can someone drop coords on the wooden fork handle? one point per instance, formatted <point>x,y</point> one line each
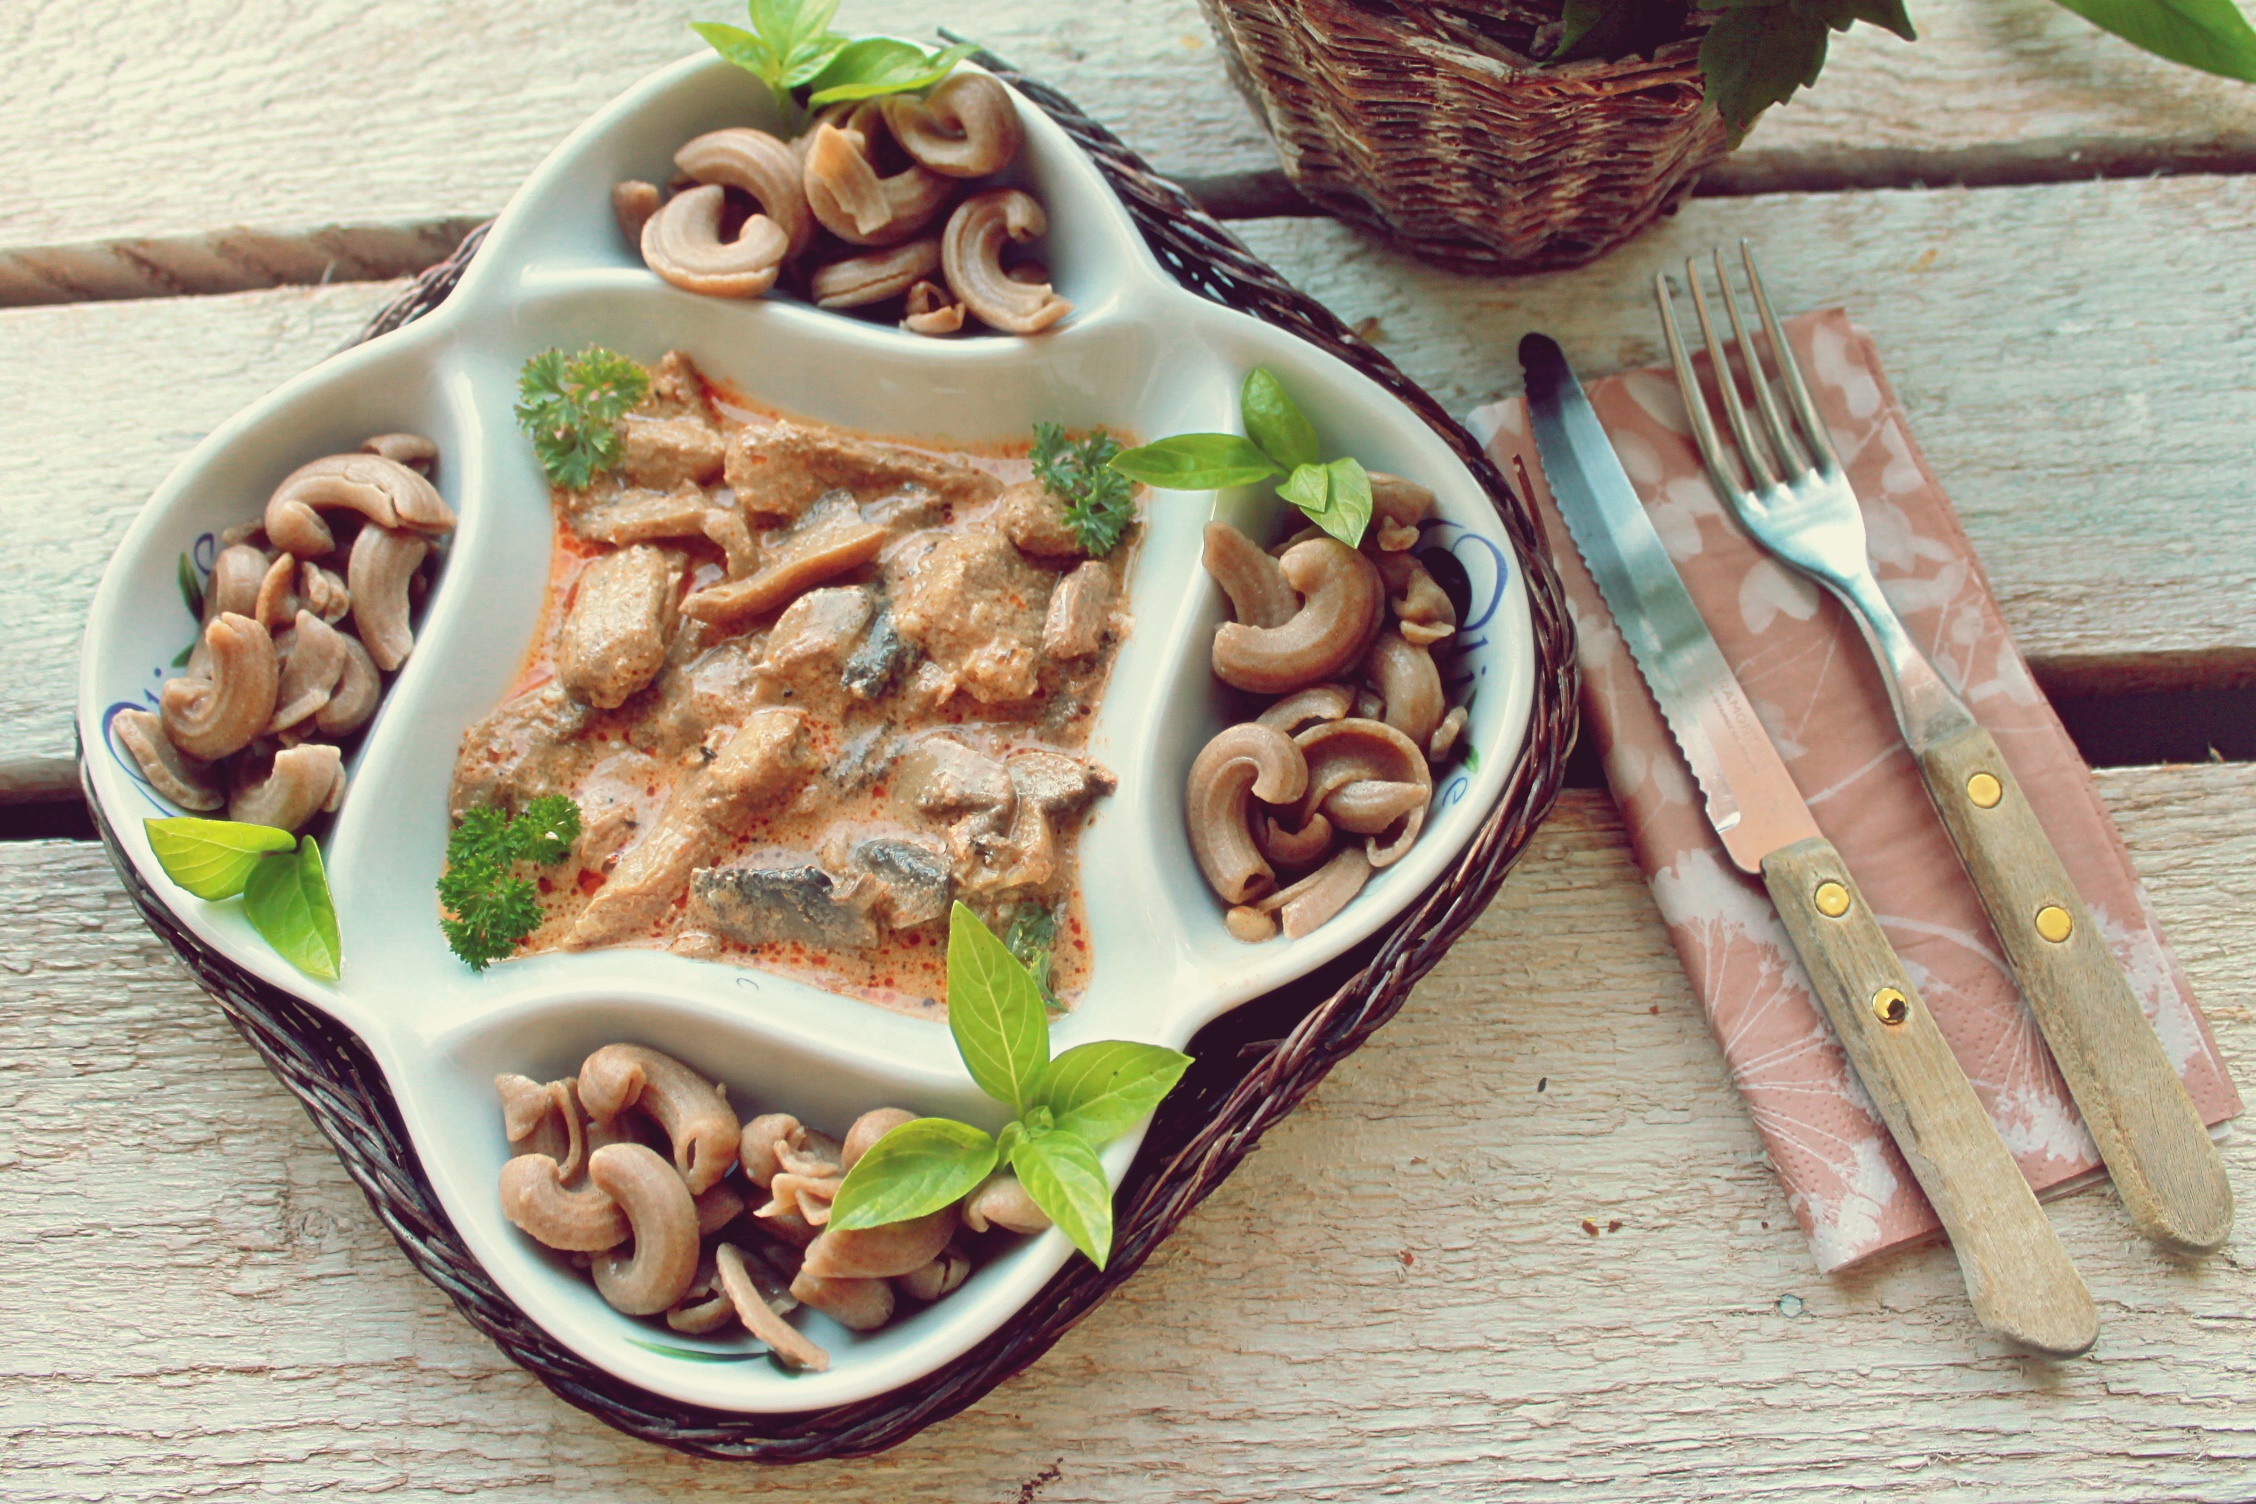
<point>2165,1166</point>
<point>2018,1277</point>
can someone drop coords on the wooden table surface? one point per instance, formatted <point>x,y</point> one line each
<point>1525,1244</point>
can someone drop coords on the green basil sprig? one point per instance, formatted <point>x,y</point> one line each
<point>284,888</point>
<point>791,48</point>
<point>1279,441</point>
<point>1064,1109</point>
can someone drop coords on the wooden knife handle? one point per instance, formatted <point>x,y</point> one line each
<point>2165,1166</point>
<point>2017,1274</point>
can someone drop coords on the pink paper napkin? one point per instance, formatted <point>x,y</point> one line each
<point>1815,686</point>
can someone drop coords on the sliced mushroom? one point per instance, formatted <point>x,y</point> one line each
<point>1240,764</point>
<point>277,599</point>
<point>188,782</point>
<point>323,592</point>
<point>931,309</point>
<point>1321,894</point>
<point>966,128</point>
<point>820,557</point>
<point>880,1252</point>
<point>1358,750</point>
<point>1259,596</point>
<point>682,243</point>
<point>354,699</point>
<point>696,1117</point>
<point>730,531</point>
<point>862,1304</point>
<point>386,492</point>
<point>632,204</point>
<point>235,579</point>
<point>939,1276</point>
<point>410,449</point>
<point>1409,684</point>
<point>1422,609</point>
<point>290,791</point>
<point>1308,707</point>
<point>1342,605</point>
<point>653,1276</point>
<point>857,205</point>
<point>760,1318</point>
<point>587,1220</point>
<point>867,1130</point>
<point>1002,1201</point>
<point>756,163</point>
<point>876,275</point>
<point>1080,606</point>
<point>311,670</point>
<point>1397,507</point>
<point>207,718</point>
<point>971,255</point>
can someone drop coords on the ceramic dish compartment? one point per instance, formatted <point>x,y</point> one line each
<point>1139,354</point>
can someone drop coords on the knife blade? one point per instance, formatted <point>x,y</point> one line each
<point>2018,1277</point>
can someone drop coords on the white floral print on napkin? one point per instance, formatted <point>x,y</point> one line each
<point>1813,683</point>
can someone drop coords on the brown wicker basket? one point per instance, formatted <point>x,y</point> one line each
<point>1249,1069</point>
<point>1425,123</point>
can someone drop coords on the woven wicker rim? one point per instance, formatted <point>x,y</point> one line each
<point>1251,1067</point>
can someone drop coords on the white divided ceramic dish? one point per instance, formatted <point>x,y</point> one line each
<point>1139,354</point>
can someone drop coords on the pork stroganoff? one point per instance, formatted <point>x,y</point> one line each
<point>807,688</point>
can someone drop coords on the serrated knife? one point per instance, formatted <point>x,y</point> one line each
<point>2018,1276</point>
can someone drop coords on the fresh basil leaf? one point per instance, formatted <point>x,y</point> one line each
<point>1196,462</point>
<point>2211,35</point>
<point>191,589</point>
<point>1757,56</point>
<point>888,68</point>
<point>1616,28</point>
<point>212,858</point>
<point>1062,1173</point>
<point>1889,15</point>
<point>1100,1091</point>
<point>995,1012</point>
<point>1350,510</point>
<point>811,61</point>
<point>1310,489</point>
<point>790,26</point>
<point>917,1168</point>
<point>287,901</point>
<point>1275,422</point>
<point>740,47</point>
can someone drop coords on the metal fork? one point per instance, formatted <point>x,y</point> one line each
<point>1797,502</point>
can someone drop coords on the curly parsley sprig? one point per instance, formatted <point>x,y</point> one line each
<point>1098,499</point>
<point>489,909</point>
<point>571,405</point>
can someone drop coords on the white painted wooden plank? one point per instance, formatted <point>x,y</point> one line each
<point>1398,1293</point>
<point>301,114</point>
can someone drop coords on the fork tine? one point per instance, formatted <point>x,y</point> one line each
<point>1813,427</point>
<point>1791,456</point>
<point>1720,473</point>
<point>1751,452</point>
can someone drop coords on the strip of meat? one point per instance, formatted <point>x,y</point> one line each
<point>524,748</point>
<point>779,470</point>
<point>768,759</point>
<point>614,640</point>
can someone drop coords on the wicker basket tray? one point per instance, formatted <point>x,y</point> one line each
<point>1251,1067</point>
<point>1417,122</point>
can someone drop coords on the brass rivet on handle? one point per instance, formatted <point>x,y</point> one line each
<point>2054,924</point>
<point>1985,790</point>
<point>1832,899</point>
<point>1891,1006</point>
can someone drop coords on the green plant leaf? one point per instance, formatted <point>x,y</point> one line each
<point>791,28</point>
<point>213,858</point>
<point>1196,462</point>
<point>1031,937</point>
<point>2211,35</point>
<point>1350,511</point>
<point>887,67</point>
<point>1061,1172</point>
<point>286,900</point>
<point>995,1012</point>
<point>1310,489</point>
<point>1756,56</point>
<point>1616,28</point>
<point>1275,422</point>
<point>741,47</point>
<point>915,1169</point>
<point>191,589</point>
<point>1890,15</point>
<point>701,1354</point>
<point>1099,1091</point>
